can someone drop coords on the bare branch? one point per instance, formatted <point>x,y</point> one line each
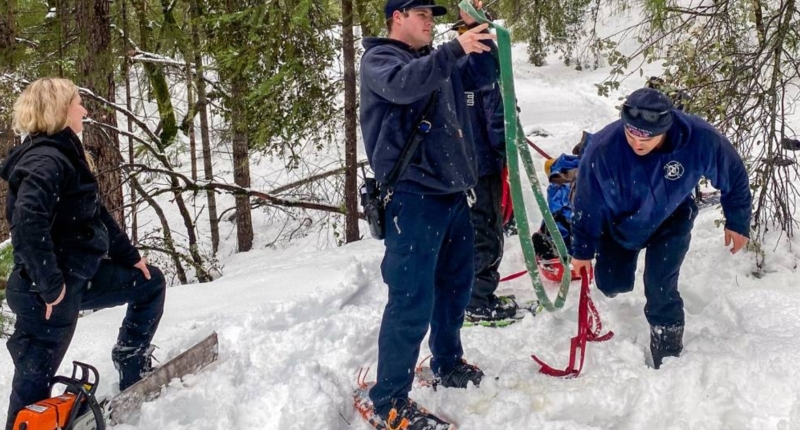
<point>314,178</point>
<point>190,185</point>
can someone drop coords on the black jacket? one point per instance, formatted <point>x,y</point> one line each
<point>59,228</point>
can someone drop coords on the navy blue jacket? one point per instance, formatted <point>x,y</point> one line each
<point>396,84</point>
<point>488,129</point>
<point>59,227</point>
<point>629,196</point>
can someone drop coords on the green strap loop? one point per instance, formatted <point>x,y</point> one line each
<point>517,147</point>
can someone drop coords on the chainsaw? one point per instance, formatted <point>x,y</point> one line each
<point>75,409</point>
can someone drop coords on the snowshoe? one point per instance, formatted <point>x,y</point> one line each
<point>503,312</point>
<point>499,308</point>
<point>405,415</point>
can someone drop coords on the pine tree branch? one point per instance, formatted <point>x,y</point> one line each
<point>31,43</point>
<point>139,56</point>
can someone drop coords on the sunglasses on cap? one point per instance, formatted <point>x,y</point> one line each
<point>419,3</point>
<point>650,116</point>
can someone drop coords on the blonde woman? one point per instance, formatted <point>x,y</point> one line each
<point>69,254</point>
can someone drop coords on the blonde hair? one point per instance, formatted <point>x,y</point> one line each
<point>42,106</point>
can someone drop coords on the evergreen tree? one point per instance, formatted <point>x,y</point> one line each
<point>350,123</point>
<point>735,64</point>
<point>9,52</point>
<point>96,67</point>
<point>548,26</point>
<point>283,51</point>
<point>273,60</point>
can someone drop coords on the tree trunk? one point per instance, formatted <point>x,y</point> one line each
<point>190,121</point>
<point>7,33</point>
<point>241,172</point>
<point>7,141</point>
<point>202,107</point>
<point>350,119</point>
<point>126,76</point>
<point>157,79</point>
<point>362,6</point>
<point>7,62</point>
<point>96,69</point>
<point>759,22</point>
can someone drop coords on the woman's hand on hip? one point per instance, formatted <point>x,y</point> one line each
<point>142,265</point>
<point>49,306</point>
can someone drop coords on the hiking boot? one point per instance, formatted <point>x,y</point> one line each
<point>507,304</point>
<point>461,375</point>
<point>132,363</point>
<point>499,308</point>
<point>407,415</point>
<point>665,341</point>
<point>510,228</point>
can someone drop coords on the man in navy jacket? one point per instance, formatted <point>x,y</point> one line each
<point>634,192</point>
<point>485,108</point>
<point>428,264</point>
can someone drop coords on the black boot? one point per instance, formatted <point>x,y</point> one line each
<point>665,341</point>
<point>132,364</point>
<point>461,375</point>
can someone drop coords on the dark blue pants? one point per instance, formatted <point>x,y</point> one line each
<point>615,266</point>
<point>428,267</point>
<point>38,346</point>
<point>487,221</point>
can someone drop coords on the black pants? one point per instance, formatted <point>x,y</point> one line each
<point>38,346</point>
<point>428,268</point>
<point>487,220</point>
<point>616,266</point>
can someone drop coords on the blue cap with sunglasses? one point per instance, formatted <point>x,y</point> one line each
<point>647,112</point>
<point>402,5</point>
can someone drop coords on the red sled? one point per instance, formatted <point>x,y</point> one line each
<point>553,270</point>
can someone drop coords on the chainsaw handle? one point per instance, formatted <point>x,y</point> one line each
<point>87,370</point>
<point>78,386</point>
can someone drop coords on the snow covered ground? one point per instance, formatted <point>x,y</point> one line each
<point>296,324</point>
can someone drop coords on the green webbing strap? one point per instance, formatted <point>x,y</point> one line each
<point>516,147</point>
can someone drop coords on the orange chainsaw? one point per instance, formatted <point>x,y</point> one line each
<point>75,409</point>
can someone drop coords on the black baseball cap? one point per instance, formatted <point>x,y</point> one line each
<point>647,112</point>
<point>401,5</point>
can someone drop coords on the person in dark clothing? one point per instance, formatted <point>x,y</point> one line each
<point>69,254</point>
<point>485,108</point>
<point>634,191</point>
<point>428,264</point>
